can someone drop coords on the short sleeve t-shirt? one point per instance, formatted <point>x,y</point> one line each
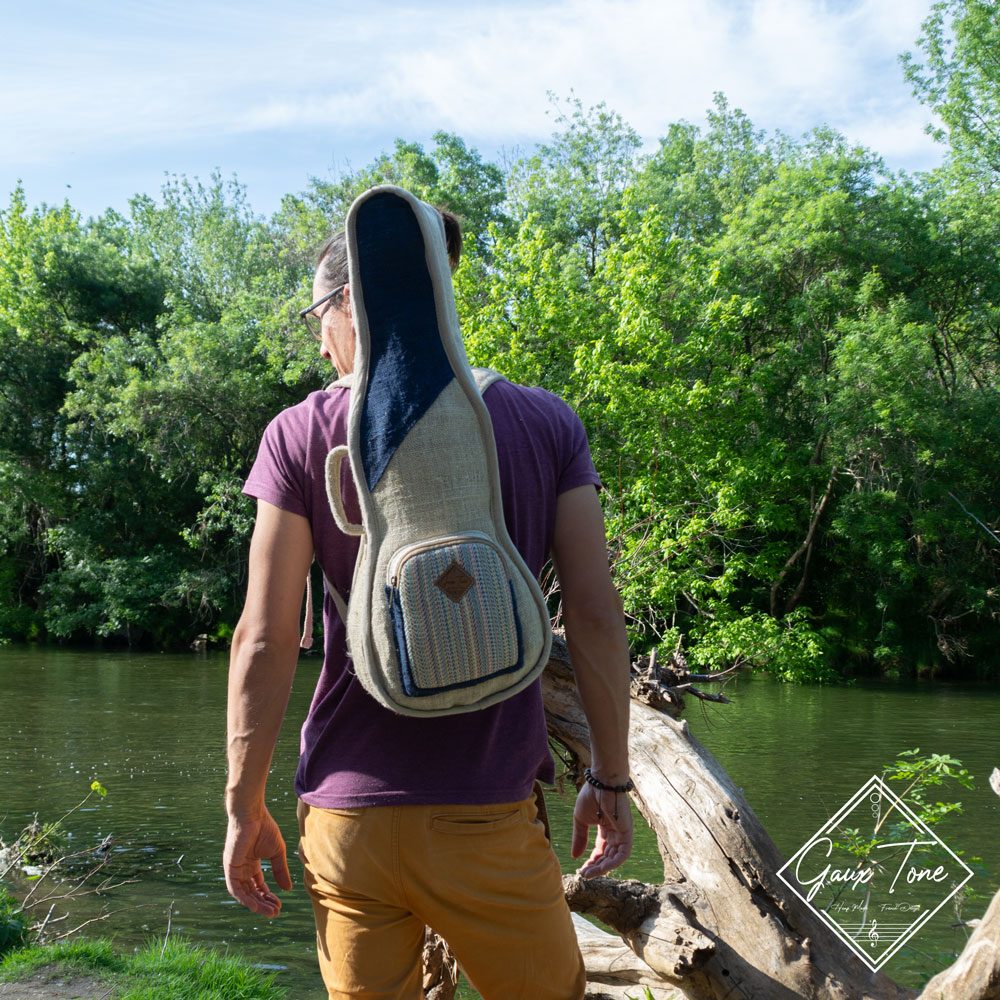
<point>353,751</point>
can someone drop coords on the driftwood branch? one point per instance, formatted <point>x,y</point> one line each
<point>663,685</point>
<point>975,974</point>
<point>620,903</point>
<point>440,968</point>
<point>614,971</point>
<point>804,549</point>
<point>721,924</point>
<point>103,915</point>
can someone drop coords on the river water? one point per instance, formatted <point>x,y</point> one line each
<point>151,728</point>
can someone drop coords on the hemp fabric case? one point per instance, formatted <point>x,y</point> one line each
<point>444,616</point>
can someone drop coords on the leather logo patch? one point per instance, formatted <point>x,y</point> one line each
<point>454,582</point>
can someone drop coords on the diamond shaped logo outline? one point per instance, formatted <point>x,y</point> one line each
<point>455,582</point>
<point>872,784</point>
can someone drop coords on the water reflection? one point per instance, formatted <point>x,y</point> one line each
<point>152,729</point>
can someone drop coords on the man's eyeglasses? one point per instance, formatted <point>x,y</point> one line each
<point>314,320</point>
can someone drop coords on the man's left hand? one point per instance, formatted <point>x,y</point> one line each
<point>614,836</point>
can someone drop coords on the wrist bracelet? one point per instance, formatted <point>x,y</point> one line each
<point>629,785</point>
<point>601,787</point>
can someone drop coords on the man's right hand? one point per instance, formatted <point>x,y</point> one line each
<point>248,841</point>
<point>262,661</point>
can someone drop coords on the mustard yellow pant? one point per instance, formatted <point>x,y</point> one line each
<point>483,877</point>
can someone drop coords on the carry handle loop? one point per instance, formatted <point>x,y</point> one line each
<point>334,494</point>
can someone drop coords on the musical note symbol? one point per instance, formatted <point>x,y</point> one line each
<point>873,934</point>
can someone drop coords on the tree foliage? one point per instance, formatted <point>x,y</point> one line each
<point>958,75</point>
<point>142,357</point>
<point>785,356</point>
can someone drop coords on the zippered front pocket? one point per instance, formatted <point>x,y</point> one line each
<point>453,612</point>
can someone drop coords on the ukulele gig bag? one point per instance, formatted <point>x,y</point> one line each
<point>444,616</point>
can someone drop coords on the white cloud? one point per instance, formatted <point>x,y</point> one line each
<point>791,64</point>
<point>899,137</point>
<point>180,71</point>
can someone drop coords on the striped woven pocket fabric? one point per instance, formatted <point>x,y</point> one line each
<point>453,613</point>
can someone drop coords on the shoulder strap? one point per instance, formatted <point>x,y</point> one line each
<point>307,626</point>
<point>338,600</point>
<point>485,377</point>
<point>339,603</point>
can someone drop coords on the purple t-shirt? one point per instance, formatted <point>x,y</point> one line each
<point>354,752</point>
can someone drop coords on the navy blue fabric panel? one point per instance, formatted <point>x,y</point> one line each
<point>407,364</point>
<point>517,627</point>
<point>406,674</point>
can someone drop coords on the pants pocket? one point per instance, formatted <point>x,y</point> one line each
<point>464,824</point>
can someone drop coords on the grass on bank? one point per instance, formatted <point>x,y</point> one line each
<point>179,971</point>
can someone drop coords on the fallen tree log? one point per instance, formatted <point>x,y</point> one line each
<point>721,924</point>
<point>614,971</point>
<point>975,974</point>
<point>440,979</point>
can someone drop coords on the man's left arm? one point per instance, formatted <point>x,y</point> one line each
<point>262,664</point>
<point>595,634</point>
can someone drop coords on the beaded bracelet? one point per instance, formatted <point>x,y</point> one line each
<point>617,789</point>
<point>629,785</point>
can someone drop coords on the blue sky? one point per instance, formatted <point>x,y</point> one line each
<point>107,97</point>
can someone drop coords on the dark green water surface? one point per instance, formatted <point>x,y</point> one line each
<point>151,728</point>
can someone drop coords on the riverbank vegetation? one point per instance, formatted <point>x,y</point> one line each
<point>41,883</point>
<point>41,878</point>
<point>164,970</point>
<point>785,355</point>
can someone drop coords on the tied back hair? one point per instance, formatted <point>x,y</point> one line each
<point>332,258</point>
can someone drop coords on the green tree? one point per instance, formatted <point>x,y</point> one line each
<point>958,78</point>
<point>451,176</point>
<point>696,178</point>
<point>786,358</point>
<point>574,183</point>
<point>183,404</point>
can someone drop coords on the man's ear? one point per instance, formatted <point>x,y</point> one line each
<point>345,295</point>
